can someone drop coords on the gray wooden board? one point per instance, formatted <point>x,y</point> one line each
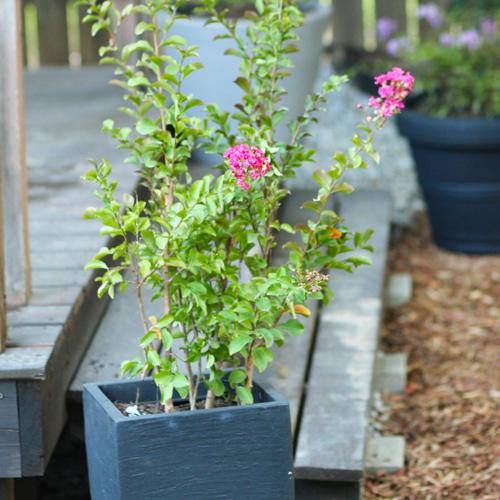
<point>116,339</point>
<point>62,260</point>
<point>38,315</point>
<point>14,192</point>
<point>10,447</point>
<point>332,436</point>
<point>288,370</point>
<point>9,417</point>
<point>10,453</point>
<point>60,278</point>
<point>25,362</point>
<point>55,296</point>
<point>33,335</point>
<point>64,115</point>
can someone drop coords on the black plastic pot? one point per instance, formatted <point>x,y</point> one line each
<point>235,453</point>
<point>458,166</point>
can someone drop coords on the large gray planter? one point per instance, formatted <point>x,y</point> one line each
<point>240,452</point>
<point>215,82</point>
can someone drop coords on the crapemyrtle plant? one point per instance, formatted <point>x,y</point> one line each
<point>189,240</point>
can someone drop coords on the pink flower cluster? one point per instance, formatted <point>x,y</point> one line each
<point>312,282</point>
<point>395,86</point>
<point>246,164</point>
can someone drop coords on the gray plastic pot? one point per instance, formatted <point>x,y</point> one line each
<point>215,82</point>
<point>239,452</point>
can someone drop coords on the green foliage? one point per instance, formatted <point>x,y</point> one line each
<point>190,240</point>
<point>456,65</point>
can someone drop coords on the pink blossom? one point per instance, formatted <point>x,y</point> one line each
<point>247,164</point>
<point>386,91</point>
<point>395,86</point>
<point>373,102</point>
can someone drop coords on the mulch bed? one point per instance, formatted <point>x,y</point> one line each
<point>450,413</point>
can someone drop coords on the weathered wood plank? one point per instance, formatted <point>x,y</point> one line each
<point>30,416</point>
<point>68,244</point>
<point>33,336</point>
<point>116,340</point>
<point>24,362</point>
<point>53,32</point>
<point>287,373</point>
<point>61,260</point>
<point>332,436</point>
<point>14,183</point>
<point>348,23</point>
<point>56,296</point>
<point>9,417</point>
<point>10,453</point>
<point>10,444</point>
<point>60,278</point>
<point>38,315</point>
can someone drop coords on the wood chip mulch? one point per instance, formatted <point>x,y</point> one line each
<point>450,412</point>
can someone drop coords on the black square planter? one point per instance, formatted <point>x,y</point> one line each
<point>234,453</point>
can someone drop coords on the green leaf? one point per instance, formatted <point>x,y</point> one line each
<point>230,315</point>
<point>153,357</point>
<point>238,343</point>
<point>164,321</point>
<point>237,376</point>
<point>148,338</point>
<point>261,357</point>
<point>312,205</point>
<point>293,326</point>
<point>244,394</point>
<point>180,381</point>
<point>95,264</point>
<point>360,260</point>
<point>167,339</point>
<point>322,178</point>
<point>343,188</point>
<point>146,126</point>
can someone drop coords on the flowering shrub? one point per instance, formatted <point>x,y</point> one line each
<point>457,63</point>
<point>189,240</point>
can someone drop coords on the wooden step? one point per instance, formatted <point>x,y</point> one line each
<point>333,429</point>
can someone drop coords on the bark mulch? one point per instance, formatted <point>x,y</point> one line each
<point>450,413</point>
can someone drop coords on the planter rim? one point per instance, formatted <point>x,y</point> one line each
<point>446,133</point>
<point>316,11</point>
<point>95,389</point>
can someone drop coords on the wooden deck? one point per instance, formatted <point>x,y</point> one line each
<point>48,337</point>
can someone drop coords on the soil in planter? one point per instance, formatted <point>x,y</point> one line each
<point>154,407</point>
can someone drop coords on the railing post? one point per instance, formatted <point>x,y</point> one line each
<point>13,158</point>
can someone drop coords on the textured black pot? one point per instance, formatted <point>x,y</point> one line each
<point>458,166</point>
<point>235,453</point>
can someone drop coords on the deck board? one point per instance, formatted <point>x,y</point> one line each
<point>48,337</point>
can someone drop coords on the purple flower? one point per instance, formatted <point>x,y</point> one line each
<point>396,44</point>
<point>385,28</point>
<point>488,26</point>
<point>431,13</point>
<point>471,39</point>
<point>446,39</point>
